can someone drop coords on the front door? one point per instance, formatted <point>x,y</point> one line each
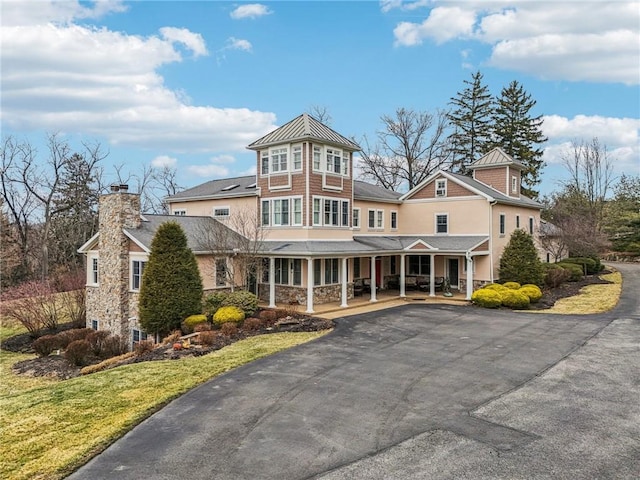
<point>453,272</point>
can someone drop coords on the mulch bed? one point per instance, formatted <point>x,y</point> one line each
<point>569,289</point>
<point>56,366</point>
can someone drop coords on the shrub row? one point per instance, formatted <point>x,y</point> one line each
<point>82,342</point>
<point>511,295</point>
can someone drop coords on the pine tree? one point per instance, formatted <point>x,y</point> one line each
<point>171,287</point>
<point>520,262</point>
<point>519,134</point>
<point>471,120</point>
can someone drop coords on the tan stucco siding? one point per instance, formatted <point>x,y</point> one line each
<point>204,208</point>
<point>468,216</point>
<point>386,208</point>
<point>499,241</point>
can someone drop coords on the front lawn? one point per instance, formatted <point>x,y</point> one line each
<point>48,428</point>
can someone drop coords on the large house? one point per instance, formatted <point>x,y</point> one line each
<point>319,231</point>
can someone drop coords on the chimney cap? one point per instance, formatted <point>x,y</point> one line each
<point>115,188</point>
<point>123,187</point>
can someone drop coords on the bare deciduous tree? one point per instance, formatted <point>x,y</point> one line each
<point>411,147</point>
<point>320,113</point>
<point>153,184</point>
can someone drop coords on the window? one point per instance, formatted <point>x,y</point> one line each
<point>264,162</point>
<point>137,336</point>
<point>265,213</point>
<point>514,184</point>
<point>297,271</point>
<point>442,223</point>
<point>392,265</point>
<point>282,271</point>
<point>317,156</point>
<point>180,213</point>
<point>356,267</point>
<point>379,219</point>
<point>94,324</point>
<point>221,272</point>
<point>441,187</point>
<point>464,266</point>
<point>221,212</point>
<point>316,211</point>
<point>372,219</point>
<point>330,212</point>
<point>281,212</point>
<point>297,211</point>
<point>317,271</point>
<point>345,163</point>
<point>531,225</point>
<point>356,218</point>
<point>94,271</point>
<point>345,213</point>
<point>517,221</point>
<point>334,160</point>
<point>330,270</point>
<point>297,157</point>
<point>419,265</point>
<point>265,270</point>
<point>137,269</point>
<point>394,220</point>
<point>502,223</point>
<point>278,160</point>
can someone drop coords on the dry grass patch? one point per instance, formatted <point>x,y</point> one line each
<point>592,298</point>
<point>48,428</point>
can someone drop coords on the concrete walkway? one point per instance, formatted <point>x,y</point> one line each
<point>415,391</point>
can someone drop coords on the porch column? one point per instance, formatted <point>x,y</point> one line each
<point>469,276</point>
<point>373,279</point>
<point>272,282</point>
<point>432,275</point>
<point>344,283</point>
<point>402,273</point>
<point>309,285</point>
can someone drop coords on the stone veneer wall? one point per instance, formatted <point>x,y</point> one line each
<point>110,301</point>
<point>288,295</point>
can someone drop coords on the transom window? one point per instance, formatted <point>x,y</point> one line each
<point>442,223</point>
<point>221,212</point>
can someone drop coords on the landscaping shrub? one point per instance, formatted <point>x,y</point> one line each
<point>212,302</point>
<point>532,291</point>
<point>487,298</point>
<point>172,337</point>
<point>46,344</point>
<point>208,337</point>
<point>519,261</point>
<point>555,275</point>
<point>202,327</point>
<point>574,270</point>
<point>143,347</point>
<point>515,299</point>
<point>244,300</point>
<point>77,352</point>
<point>589,265</point>
<point>252,324</point>
<point>96,339</point>
<point>114,345</point>
<point>229,329</point>
<point>511,285</point>
<point>72,335</point>
<point>268,315</point>
<point>228,314</point>
<point>32,304</point>
<point>496,287</point>
<point>191,321</point>
<point>106,363</point>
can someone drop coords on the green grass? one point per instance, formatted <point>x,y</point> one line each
<point>48,428</point>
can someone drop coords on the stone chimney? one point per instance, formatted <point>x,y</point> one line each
<point>118,210</point>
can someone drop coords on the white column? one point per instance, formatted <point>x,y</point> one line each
<point>432,275</point>
<point>344,283</point>
<point>373,279</point>
<point>402,273</point>
<point>309,285</point>
<point>272,282</point>
<point>469,276</point>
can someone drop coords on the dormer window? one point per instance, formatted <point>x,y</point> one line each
<point>441,187</point>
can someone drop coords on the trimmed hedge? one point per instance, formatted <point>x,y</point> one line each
<point>511,285</point>
<point>532,291</point>
<point>189,323</point>
<point>574,270</point>
<point>515,299</point>
<point>244,300</point>
<point>589,265</point>
<point>487,298</point>
<point>228,314</point>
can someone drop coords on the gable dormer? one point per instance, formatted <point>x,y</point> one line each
<point>499,171</point>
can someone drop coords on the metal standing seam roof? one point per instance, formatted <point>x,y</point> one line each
<point>494,158</point>
<point>303,127</point>
<point>246,186</point>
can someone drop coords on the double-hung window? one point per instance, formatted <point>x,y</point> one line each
<point>356,218</point>
<point>503,219</point>
<point>317,271</point>
<point>279,162</point>
<point>297,157</point>
<point>334,160</point>
<point>137,269</point>
<point>514,184</point>
<point>282,271</point>
<point>441,187</point>
<point>345,213</point>
<point>356,267</point>
<point>94,270</point>
<point>419,265</point>
<point>331,212</point>
<point>137,336</point>
<point>316,211</point>
<point>394,220</point>
<point>264,163</point>
<point>297,271</point>
<point>221,272</point>
<point>265,213</point>
<point>281,212</point>
<point>330,271</point>
<point>380,219</point>
<point>297,211</point>
<point>317,157</point>
<point>442,223</point>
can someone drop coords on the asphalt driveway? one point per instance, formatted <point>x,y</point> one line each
<point>419,391</point>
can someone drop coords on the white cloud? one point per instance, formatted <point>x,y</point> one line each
<point>223,159</point>
<point>238,44</point>
<point>72,78</point>
<point>193,41</point>
<point>577,41</point>
<point>621,136</point>
<point>17,13</point>
<point>211,170</point>
<point>163,161</point>
<point>250,10</point>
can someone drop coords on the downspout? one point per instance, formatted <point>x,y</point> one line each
<point>491,204</point>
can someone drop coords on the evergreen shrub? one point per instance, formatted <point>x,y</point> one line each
<point>189,323</point>
<point>532,291</point>
<point>515,299</point>
<point>244,300</point>
<point>519,261</point>
<point>228,314</point>
<point>589,265</point>
<point>213,301</point>
<point>487,298</point>
<point>512,285</point>
<point>574,271</point>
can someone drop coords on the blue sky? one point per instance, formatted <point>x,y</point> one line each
<point>190,84</point>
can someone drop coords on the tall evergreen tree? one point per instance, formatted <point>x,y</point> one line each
<point>519,134</point>
<point>519,261</point>
<point>471,121</point>
<point>171,287</point>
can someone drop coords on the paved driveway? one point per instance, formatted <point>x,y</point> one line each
<point>419,391</point>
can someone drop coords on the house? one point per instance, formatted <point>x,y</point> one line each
<point>318,231</point>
